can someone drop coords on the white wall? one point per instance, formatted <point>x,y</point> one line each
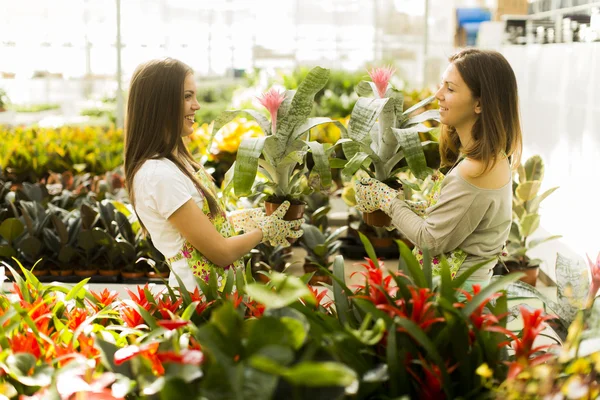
<point>559,87</point>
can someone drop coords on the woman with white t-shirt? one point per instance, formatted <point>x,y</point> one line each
<point>174,197</point>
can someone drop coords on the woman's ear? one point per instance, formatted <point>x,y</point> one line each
<point>477,106</point>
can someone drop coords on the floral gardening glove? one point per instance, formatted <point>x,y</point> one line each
<point>246,220</point>
<point>372,195</point>
<point>276,231</point>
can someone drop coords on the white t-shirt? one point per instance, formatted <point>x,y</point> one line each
<point>160,188</point>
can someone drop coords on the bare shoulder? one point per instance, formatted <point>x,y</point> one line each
<point>494,178</point>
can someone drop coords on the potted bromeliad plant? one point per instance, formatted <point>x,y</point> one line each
<point>321,246</point>
<point>280,155</point>
<point>526,220</point>
<point>378,149</point>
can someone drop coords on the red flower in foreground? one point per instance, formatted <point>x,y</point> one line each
<point>140,298</point>
<point>481,320</point>
<point>172,324</point>
<point>156,358</point>
<point>104,298</point>
<point>202,303</point>
<point>595,283</point>
<point>319,296</point>
<point>255,309</point>
<point>430,384</point>
<point>25,343</point>
<point>235,298</point>
<point>166,307</point>
<point>421,311</point>
<point>378,288</point>
<point>525,353</point>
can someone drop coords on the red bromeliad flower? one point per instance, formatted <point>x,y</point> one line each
<point>202,305</point>
<point>33,294</point>
<point>130,317</point>
<point>595,283</point>
<point>533,324</point>
<point>235,298</point>
<point>140,298</point>
<point>75,318</point>
<point>272,100</point>
<point>172,324</point>
<point>255,309</point>
<point>67,352</point>
<point>86,346</point>
<point>379,288</point>
<point>318,297</point>
<point>481,320</point>
<point>40,312</point>
<point>25,343</point>
<point>421,313</point>
<point>104,299</point>
<point>156,358</point>
<point>431,385</point>
<point>380,77</point>
<point>166,307</point>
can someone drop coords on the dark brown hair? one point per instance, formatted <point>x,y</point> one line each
<point>497,129</point>
<point>152,126</point>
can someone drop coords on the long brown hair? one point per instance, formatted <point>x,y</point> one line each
<point>497,129</point>
<point>154,122</point>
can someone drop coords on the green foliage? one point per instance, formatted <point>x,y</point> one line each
<point>526,216</point>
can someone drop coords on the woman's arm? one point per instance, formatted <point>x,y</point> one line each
<point>197,229</point>
<point>455,216</point>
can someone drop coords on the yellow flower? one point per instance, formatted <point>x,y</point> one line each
<point>595,358</point>
<point>579,366</point>
<point>484,371</point>
<point>532,388</point>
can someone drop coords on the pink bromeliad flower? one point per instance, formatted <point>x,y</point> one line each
<point>272,100</point>
<point>595,284</point>
<point>380,77</point>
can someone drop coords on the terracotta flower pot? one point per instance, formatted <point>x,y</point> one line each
<point>153,274</point>
<point>109,272</point>
<point>381,242</point>
<point>133,275</point>
<point>296,211</point>
<point>86,272</point>
<point>315,279</point>
<point>61,272</point>
<point>531,274</point>
<point>377,218</point>
<point>40,272</point>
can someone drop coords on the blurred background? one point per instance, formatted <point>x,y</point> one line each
<point>68,63</point>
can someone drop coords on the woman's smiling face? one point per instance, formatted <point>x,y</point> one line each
<point>190,105</point>
<point>458,107</point>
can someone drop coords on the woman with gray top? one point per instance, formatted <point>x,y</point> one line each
<point>468,215</point>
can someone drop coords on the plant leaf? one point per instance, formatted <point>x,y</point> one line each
<point>246,164</point>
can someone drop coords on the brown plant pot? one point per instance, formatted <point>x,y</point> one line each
<point>295,212</point>
<point>61,272</point>
<point>315,279</point>
<point>531,274</point>
<point>153,274</point>
<point>381,242</point>
<point>86,272</point>
<point>377,218</point>
<point>8,272</point>
<point>133,275</point>
<point>109,272</point>
<point>40,272</point>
